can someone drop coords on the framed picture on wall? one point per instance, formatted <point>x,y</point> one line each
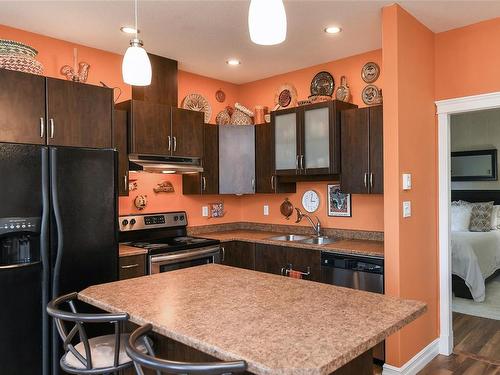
<point>339,204</point>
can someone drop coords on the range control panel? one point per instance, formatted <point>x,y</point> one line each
<point>163,220</point>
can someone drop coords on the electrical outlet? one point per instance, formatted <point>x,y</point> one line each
<point>266,210</point>
<point>406,181</point>
<point>406,209</point>
<point>204,211</point>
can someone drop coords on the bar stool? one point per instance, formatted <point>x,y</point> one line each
<point>97,355</point>
<point>149,361</point>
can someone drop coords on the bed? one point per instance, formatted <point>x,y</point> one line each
<point>475,255</point>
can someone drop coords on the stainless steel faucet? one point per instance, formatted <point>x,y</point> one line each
<point>316,227</point>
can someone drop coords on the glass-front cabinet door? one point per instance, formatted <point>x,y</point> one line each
<point>315,158</point>
<point>286,142</point>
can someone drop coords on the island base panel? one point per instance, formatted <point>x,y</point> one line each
<point>176,351</point>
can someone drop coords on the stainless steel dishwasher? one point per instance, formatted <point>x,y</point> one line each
<point>356,272</point>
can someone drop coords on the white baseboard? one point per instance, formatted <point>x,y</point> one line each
<point>417,363</point>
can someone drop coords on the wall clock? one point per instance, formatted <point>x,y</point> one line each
<point>310,201</point>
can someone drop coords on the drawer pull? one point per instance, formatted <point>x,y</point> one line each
<point>130,266</point>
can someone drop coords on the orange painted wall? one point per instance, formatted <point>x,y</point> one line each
<point>467,60</point>
<point>106,67</point>
<point>410,147</point>
<point>262,91</point>
<point>367,211</point>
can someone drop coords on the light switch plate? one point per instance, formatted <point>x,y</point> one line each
<point>204,211</point>
<point>406,181</point>
<point>406,209</point>
<point>266,210</point>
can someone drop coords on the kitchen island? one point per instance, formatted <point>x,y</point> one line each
<point>278,325</point>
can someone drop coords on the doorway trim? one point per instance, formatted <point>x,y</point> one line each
<point>446,108</point>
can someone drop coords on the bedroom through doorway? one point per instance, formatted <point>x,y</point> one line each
<point>475,233</point>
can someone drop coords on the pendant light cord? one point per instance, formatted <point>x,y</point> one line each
<point>136,29</point>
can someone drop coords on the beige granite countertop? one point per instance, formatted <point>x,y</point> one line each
<point>278,325</point>
<point>361,247</point>
<point>127,250</point>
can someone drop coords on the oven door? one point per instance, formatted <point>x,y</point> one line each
<point>190,258</point>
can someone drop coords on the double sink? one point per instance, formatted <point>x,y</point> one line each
<point>313,240</point>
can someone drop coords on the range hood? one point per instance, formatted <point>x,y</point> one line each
<point>164,164</point>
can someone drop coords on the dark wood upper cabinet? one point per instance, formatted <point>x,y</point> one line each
<point>238,254</point>
<point>187,132</point>
<point>208,181</point>
<point>362,150</point>
<point>266,180</point>
<point>163,87</point>
<point>120,144</point>
<point>376,150</point>
<point>148,126</point>
<point>307,139</point>
<point>78,115</point>
<point>22,107</point>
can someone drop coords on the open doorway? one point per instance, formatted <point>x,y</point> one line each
<point>469,190</point>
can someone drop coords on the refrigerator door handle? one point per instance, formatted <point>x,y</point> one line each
<point>58,222</point>
<point>45,258</point>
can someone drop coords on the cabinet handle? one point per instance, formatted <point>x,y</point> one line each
<point>371,180</point>
<point>223,250</point>
<point>272,182</point>
<point>125,182</point>
<point>169,143</point>
<point>175,144</point>
<point>42,127</point>
<point>204,183</point>
<point>302,162</point>
<point>297,162</point>
<point>130,266</point>
<point>52,128</point>
<point>253,184</point>
<point>365,180</point>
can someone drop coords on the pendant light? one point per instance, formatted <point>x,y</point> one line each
<point>267,22</point>
<point>136,67</point>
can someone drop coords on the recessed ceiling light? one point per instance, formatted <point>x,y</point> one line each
<point>129,30</point>
<point>333,30</point>
<point>233,62</point>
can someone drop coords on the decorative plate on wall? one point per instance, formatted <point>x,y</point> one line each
<point>197,102</point>
<point>322,84</point>
<point>286,96</point>
<point>370,72</point>
<point>371,95</point>
<point>220,96</point>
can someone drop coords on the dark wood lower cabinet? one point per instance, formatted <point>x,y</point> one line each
<point>305,260</point>
<point>239,254</point>
<point>132,266</point>
<point>270,258</point>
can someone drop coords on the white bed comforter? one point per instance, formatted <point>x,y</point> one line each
<point>475,257</point>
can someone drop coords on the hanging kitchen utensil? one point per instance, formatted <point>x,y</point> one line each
<point>286,208</point>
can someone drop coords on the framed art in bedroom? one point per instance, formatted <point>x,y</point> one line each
<point>339,204</point>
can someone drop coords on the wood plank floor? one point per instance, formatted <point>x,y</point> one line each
<point>477,348</point>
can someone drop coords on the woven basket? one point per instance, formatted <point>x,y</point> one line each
<point>223,118</point>
<point>240,118</point>
<point>11,47</point>
<point>21,63</point>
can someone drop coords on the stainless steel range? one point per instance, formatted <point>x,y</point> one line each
<point>164,236</point>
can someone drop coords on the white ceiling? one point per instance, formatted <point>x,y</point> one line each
<point>202,35</point>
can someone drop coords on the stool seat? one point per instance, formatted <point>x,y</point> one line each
<point>102,351</point>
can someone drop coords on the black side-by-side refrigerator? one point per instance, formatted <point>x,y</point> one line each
<point>58,220</point>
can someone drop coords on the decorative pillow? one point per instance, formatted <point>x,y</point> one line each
<point>480,219</point>
<point>460,218</point>
<point>460,203</point>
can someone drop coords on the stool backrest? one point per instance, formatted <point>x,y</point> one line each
<point>149,361</point>
<point>77,321</point>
